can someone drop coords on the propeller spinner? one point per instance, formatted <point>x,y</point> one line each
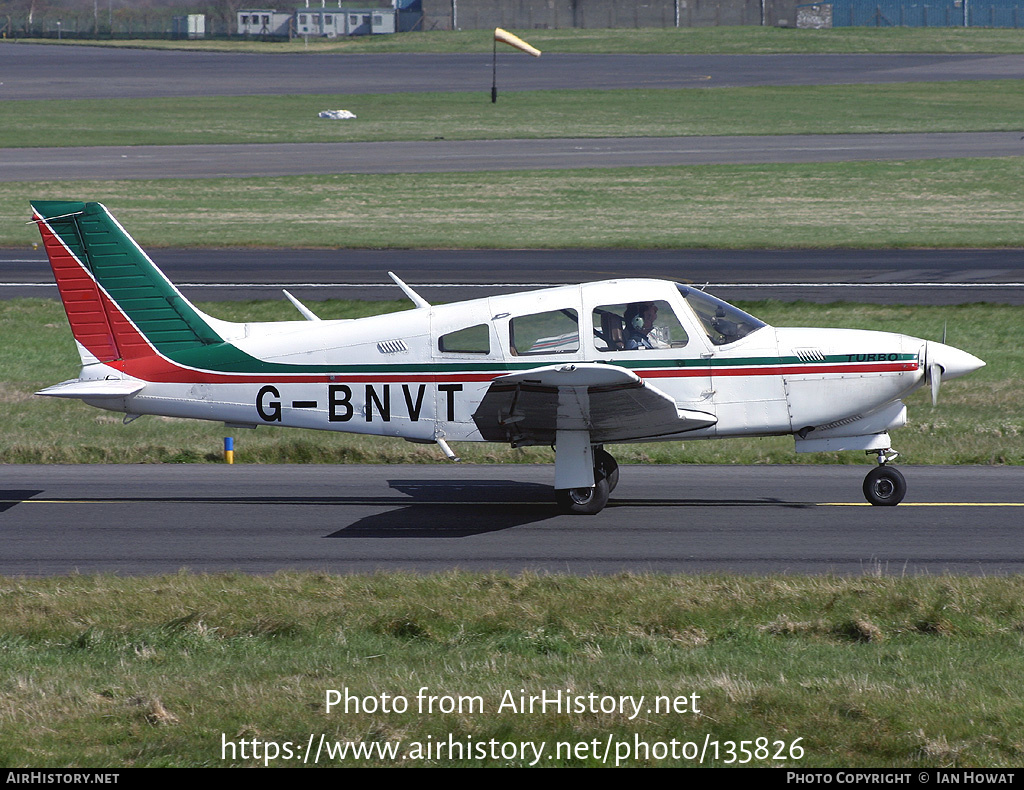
<point>945,362</point>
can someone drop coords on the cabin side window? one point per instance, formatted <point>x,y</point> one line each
<point>471,340</point>
<point>632,326</point>
<point>554,332</point>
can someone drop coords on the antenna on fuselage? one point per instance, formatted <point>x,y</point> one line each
<point>417,300</point>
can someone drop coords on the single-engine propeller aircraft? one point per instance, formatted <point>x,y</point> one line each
<point>577,367</point>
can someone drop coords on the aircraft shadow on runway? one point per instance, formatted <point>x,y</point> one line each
<point>432,508</point>
<point>443,509</point>
<point>446,509</point>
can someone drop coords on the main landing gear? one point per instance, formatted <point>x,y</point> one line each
<point>590,501</point>
<point>885,485</point>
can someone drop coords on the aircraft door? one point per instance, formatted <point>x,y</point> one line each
<point>749,393</point>
<point>466,354</point>
<point>649,338</point>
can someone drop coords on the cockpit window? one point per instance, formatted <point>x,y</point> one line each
<point>723,322</point>
<point>633,326</point>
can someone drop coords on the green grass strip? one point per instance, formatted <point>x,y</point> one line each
<point>728,40</point>
<point>935,203</point>
<point>104,671</point>
<point>916,107</point>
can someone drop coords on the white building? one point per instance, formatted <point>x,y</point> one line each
<point>323,21</point>
<point>191,26</point>
<point>264,22</point>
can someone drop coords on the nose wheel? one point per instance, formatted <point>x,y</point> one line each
<point>885,485</point>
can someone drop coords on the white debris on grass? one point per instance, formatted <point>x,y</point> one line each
<point>337,115</point>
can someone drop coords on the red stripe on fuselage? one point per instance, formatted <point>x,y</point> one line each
<point>159,369</point>
<point>781,370</point>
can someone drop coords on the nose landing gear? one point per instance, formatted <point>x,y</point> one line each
<point>885,485</point>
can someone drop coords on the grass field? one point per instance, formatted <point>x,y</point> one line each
<point>979,420</point>
<point>730,40</point>
<point>163,671</point>
<point>996,105</point>
<point>932,203</point>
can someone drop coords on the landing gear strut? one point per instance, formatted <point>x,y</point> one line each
<point>885,485</point>
<point>590,501</point>
<point>606,465</point>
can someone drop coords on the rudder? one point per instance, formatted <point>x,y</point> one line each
<point>119,304</point>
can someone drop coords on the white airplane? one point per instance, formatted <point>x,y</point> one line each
<point>577,367</point>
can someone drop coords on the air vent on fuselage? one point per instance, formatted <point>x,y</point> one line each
<point>392,347</point>
<point>809,354</point>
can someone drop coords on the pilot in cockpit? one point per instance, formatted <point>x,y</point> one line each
<point>639,319</point>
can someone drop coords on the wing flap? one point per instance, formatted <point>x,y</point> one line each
<point>612,403</point>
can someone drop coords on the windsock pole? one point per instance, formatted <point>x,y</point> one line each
<point>494,72</point>
<point>505,37</point>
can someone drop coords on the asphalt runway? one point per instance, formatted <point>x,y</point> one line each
<point>39,71</point>
<point>260,519</point>
<point>32,71</point>
<point>145,162</point>
<point>871,276</point>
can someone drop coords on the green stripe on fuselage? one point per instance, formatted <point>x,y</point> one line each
<point>226,358</point>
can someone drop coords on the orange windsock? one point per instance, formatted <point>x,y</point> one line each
<point>515,41</point>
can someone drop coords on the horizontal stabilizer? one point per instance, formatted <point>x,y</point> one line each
<point>97,388</point>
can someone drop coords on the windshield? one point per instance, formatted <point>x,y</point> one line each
<point>723,322</point>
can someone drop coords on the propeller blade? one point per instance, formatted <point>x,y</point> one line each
<point>935,378</point>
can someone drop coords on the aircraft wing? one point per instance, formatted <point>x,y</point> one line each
<point>612,403</point>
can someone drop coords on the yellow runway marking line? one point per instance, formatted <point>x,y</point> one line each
<point>927,504</point>
<point>113,501</point>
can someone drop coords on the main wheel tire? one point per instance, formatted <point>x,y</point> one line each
<point>583,501</point>
<point>608,467</point>
<point>885,485</point>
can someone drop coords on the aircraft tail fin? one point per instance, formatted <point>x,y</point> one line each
<point>119,304</point>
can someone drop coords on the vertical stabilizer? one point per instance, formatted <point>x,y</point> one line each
<point>120,305</point>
